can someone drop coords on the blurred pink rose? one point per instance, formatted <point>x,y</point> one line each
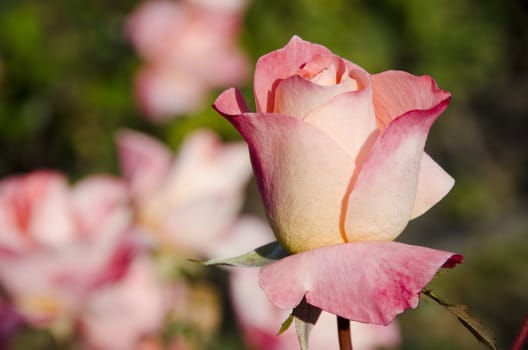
<point>119,315</point>
<point>339,159</point>
<point>260,320</point>
<point>187,202</point>
<point>58,243</point>
<point>189,47</point>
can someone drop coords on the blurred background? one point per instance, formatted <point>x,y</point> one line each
<point>69,81</point>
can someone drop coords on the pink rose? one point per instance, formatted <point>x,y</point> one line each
<point>186,201</point>
<point>339,159</point>
<point>189,47</point>
<point>338,153</point>
<point>58,243</point>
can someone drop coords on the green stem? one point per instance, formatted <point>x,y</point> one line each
<point>343,333</point>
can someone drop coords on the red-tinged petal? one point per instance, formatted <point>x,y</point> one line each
<point>433,184</point>
<point>281,64</point>
<point>368,282</point>
<point>143,160</point>
<point>382,196</point>
<point>231,102</point>
<point>278,144</point>
<point>35,207</point>
<point>397,92</point>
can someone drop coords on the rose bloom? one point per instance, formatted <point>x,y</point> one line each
<point>339,158</point>
<point>59,243</point>
<point>189,47</point>
<point>190,200</point>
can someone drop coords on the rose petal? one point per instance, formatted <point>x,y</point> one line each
<point>369,282</point>
<point>349,120</point>
<point>201,195</point>
<point>281,64</point>
<point>231,102</point>
<point>382,197</point>
<point>296,96</point>
<point>143,160</point>
<point>197,225</point>
<point>95,201</point>
<point>433,184</point>
<point>397,92</point>
<point>152,25</point>
<point>279,144</point>
<point>35,207</point>
<point>118,315</point>
<point>207,167</point>
<point>163,91</point>
<point>244,235</point>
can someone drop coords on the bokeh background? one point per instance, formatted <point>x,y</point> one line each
<point>66,86</point>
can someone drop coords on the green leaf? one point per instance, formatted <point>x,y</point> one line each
<point>256,258</point>
<point>473,324</point>
<point>285,325</point>
<point>305,316</point>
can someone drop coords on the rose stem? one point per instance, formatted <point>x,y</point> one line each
<point>523,334</point>
<point>343,333</point>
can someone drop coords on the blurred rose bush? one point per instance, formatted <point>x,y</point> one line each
<point>58,244</point>
<point>97,258</point>
<point>188,48</point>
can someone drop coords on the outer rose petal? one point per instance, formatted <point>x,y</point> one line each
<point>382,196</point>
<point>397,92</point>
<point>278,144</point>
<point>143,160</point>
<point>433,184</point>
<point>368,282</point>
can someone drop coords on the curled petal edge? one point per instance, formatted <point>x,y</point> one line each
<point>369,282</point>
